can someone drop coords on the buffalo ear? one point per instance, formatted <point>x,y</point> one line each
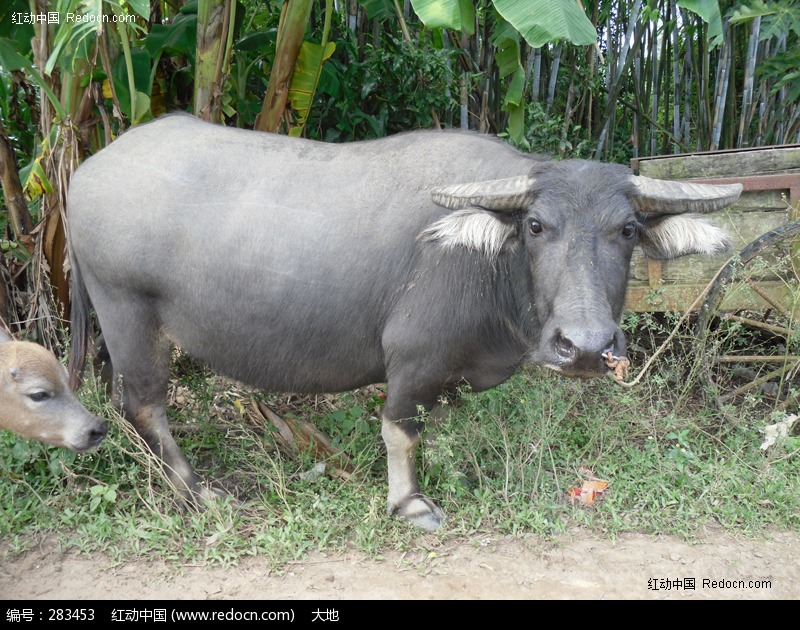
<point>474,228</point>
<point>678,235</point>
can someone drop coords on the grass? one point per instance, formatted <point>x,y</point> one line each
<point>501,462</point>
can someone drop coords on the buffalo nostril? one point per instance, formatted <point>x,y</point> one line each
<point>564,347</point>
<point>96,435</point>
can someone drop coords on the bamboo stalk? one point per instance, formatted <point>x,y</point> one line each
<point>721,87</point>
<point>747,92</point>
<point>537,74</point>
<point>551,90</point>
<point>703,94</point>
<point>655,62</point>
<point>676,92</point>
<point>610,109</point>
<point>568,112</point>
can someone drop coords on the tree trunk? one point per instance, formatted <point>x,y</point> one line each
<point>21,221</point>
<point>213,17</point>
<point>290,39</point>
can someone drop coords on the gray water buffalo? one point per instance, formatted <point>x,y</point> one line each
<point>421,260</point>
<point>36,401</point>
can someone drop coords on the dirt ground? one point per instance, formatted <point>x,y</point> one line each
<point>577,567</point>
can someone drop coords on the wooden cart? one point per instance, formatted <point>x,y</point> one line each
<point>748,300</point>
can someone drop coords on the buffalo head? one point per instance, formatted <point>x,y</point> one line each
<point>575,224</point>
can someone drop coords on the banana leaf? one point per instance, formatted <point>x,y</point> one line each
<point>305,78</point>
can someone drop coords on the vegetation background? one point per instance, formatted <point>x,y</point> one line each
<point>604,79</point>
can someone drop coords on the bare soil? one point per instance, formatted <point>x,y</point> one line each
<point>577,567</point>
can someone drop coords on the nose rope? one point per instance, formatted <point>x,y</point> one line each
<point>618,364</point>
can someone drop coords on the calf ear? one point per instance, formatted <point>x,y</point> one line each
<point>474,228</point>
<point>4,335</point>
<point>677,235</point>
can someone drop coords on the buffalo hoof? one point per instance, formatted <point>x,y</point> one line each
<point>420,511</point>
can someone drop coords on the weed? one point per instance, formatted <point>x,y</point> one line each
<point>500,462</point>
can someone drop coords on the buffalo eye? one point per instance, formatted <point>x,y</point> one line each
<point>629,231</point>
<point>39,396</point>
<point>535,227</point>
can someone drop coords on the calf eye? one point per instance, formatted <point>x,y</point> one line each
<point>535,227</point>
<point>38,396</point>
<point>629,231</point>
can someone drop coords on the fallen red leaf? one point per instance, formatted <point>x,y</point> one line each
<point>591,487</point>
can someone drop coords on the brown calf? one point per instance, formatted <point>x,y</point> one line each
<point>36,401</point>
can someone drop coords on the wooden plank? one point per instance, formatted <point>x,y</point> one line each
<point>785,159</point>
<point>762,200</point>
<point>679,298</point>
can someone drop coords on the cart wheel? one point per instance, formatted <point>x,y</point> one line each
<point>748,331</point>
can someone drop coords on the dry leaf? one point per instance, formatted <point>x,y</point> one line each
<point>296,436</point>
<point>591,488</point>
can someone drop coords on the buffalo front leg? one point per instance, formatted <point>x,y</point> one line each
<point>405,499</point>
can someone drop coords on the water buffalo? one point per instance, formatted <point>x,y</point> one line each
<point>420,260</point>
<point>36,401</point>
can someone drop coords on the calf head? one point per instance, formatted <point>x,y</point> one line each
<point>576,223</point>
<point>36,401</point>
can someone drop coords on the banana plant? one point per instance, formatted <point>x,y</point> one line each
<point>537,21</point>
<point>297,68</point>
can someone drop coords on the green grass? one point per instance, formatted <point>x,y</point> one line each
<point>501,463</point>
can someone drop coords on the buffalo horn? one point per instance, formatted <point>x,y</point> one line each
<point>511,193</point>
<point>659,196</point>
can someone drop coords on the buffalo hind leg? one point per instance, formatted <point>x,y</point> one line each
<point>139,356</point>
<point>405,499</point>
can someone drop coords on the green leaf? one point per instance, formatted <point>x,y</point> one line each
<point>506,41</point>
<point>179,37</point>
<point>458,15</point>
<point>258,41</point>
<point>305,78</point>
<point>544,21</point>
<point>71,33</point>
<point>745,13</point>
<point>140,60</point>
<point>140,7</point>
<point>709,11</point>
<point>378,9</point>
<point>142,106</point>
<point>516,89</point>
<point>467,16</point>
<point>10,59</point>
<point>9,26</point>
